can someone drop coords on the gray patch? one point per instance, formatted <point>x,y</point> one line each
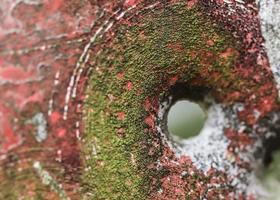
<point>269,11</point>
<point>39,120</point>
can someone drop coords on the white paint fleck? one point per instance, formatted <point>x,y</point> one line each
<point>55,83</point>
<point>41,124</point>
<point>59,155</point>
<point>78,130</point>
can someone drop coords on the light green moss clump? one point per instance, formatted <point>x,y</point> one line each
<point>138,64</point>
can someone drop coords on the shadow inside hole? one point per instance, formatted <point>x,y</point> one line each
<point>271,159</point>
<point>270,173</point>
<point>182,91</point>
<point>272,147</point>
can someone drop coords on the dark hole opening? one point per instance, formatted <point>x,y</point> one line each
<point>192,93</point>
<point>272,145</point>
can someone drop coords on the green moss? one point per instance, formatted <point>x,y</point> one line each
<point>14,185</point>
<point>158,45</point>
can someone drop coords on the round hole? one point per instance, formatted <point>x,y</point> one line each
<point>185,119</point>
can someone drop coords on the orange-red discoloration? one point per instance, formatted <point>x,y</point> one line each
<point>149,120</point>
<point>121,116</point>
<point>129,85</point>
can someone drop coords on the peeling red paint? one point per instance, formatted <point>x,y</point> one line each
<point>238,138</point>
<point>228,52</point>
<point>173,80</point>
<point>41,43</point>
<point>61,132</point>
<point>55,117</point>
<point>9,138</point>
<point>120,75</point>
<point>149,120</point>
<point>14,74</point>
<point>129,85</point>
<point>210,42</point>
<point>148,104</point>
<point>121,116</point>
<point>53,5</point>
<point>129,3</point>
<point>192,3</point>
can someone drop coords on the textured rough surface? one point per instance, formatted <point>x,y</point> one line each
<point>270,26</point>
<point>127,104</point>
<point>85,86</point>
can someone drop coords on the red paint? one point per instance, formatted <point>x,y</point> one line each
<point>237,138</point>
<point>37,97</point>
<point>129,85</point>
<point>191,3</point>
<point>121,116</point>
<point>227,53</point>
<point>61,132</point>
<point>129,3</point>
<point>16,74</point>
<point>120,75</point>
<point>57,22</point>
<point>173,80</point>
<point>9,139</point>
<point>149,120</point>
<point>55,117</point>
<point>147,104</point>
<point>53,5</point>
<point>210,42</point>
<point>176,46</point>
<point>46,35</point>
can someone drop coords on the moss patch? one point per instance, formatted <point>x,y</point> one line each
<point>146,56</point>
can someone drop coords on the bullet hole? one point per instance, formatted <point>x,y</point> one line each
<point>186,113</point>
<point>185,119</point>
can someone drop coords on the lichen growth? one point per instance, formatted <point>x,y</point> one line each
<point>140,64</point>
<point>41,125</point>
